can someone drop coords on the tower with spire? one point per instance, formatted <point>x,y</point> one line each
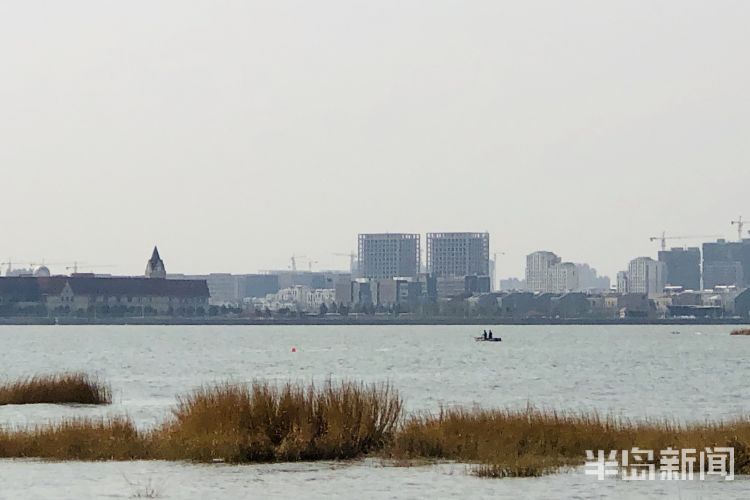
<point>155,266</point>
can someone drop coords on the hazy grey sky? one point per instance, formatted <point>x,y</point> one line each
<point>235,133</point>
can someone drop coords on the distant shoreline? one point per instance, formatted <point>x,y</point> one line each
<point>363,321</point>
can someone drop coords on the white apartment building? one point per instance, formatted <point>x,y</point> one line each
<point>646,275</point>
<point>545,273</point>
<point>562,277</point>
<point>537,268</point>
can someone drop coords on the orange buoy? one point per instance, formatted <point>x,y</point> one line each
<point>294,349</point>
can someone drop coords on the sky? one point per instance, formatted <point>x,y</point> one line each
<point>235,134</point>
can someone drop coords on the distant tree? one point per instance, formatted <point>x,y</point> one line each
<point>343,310</point>
<point>334,308</point>
<point>323,309</point>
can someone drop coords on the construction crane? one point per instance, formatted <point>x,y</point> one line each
<point>310,264</point>
<point>352,259</point>
<point>294,261</point>
<point>75,265</point>
<point>31,264</point>
<point>663,238</point>
<point>740,224</point>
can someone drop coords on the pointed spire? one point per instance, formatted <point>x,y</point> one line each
<point>155,266</point>
<point>155,255</point>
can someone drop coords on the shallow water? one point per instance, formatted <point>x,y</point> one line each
<point>632,371</point>
<point>329,480</point>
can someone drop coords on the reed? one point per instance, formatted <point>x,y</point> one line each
<point>532,442</point>
<point>263,422</point>
<point>75,387</point>
<point>77,439</point>
<point>741,331</point>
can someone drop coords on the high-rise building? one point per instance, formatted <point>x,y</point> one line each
<point>622,282</point>
<point>388,255</point>
<point>537,267</point>
<point>721,273</point>
<point>726,263</point>
<point>589,279</point>
<point>683,267</point>
<point>562,277</point>
<point>458,254</point>
<point>646,275</point>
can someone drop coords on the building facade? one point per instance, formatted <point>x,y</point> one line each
<point>726,263</point>
<point>223,287</point>
<point>646,276</point>
<point>257,285</point>
<point>562,277</point>
<point>545,273</point>
<point>537,268</point>
<point>683,267</point>
<point>458,254</point>
<point>83,295</point>
<point>388,255</point>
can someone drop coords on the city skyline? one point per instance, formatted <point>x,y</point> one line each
<point>238,134</point>
<point>305,262</point>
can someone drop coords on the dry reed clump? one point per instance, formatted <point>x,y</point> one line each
<point>78,439</point>
<point>75,387</point>
<point>532,442</point>
<point>741,331</point>
<point>261,422</point>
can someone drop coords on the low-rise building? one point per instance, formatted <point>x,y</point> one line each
<point>570,305</point>
<point>86,294</point>
<point>119,296</point>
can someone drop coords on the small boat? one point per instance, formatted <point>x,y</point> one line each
<point>675,332</point>
<point>493,339</point>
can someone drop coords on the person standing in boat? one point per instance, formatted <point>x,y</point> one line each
<point>489,335</point>
<point>485,335</point>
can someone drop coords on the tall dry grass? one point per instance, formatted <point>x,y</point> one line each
<point>531,442</point>
<point>263,422</point>
<point>81,439</point>
<point>73,387</point>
